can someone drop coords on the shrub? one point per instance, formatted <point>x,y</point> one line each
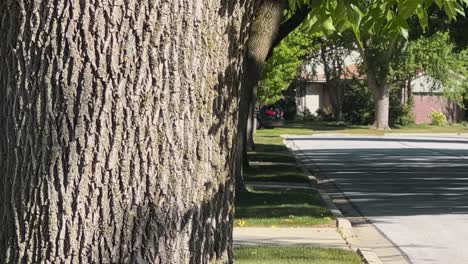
<point>438,118</point>
<point>358,108</point>
<point>401,114</point>
<point>325,114</point>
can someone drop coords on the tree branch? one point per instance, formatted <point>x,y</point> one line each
<point>288,26</point>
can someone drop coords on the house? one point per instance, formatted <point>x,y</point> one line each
<point>427,97</point>
<point>312,92</point>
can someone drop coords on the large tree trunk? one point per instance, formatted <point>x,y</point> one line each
<point>118,123</point>
<point>262,35</point>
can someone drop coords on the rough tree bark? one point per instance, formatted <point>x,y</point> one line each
<point>118,123</point>
<point>263,32</point>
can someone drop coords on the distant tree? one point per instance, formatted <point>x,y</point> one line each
<point>268,29</point>
<point>434,56</point>
<point>380,28</point>
<point>284,64</point>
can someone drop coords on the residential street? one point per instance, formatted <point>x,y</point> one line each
<point>414,189</point>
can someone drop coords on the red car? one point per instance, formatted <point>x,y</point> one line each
<point>270,116</point>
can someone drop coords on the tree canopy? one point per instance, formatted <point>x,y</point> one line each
<point>282,67</point>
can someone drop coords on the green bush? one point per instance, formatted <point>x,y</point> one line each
<point>358,108</point>
<point>400,114</point>
<point>325,114</point>
<point>438,118</point>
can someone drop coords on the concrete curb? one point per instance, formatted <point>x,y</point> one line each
<point>343,225</point>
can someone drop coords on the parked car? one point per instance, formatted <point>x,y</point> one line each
<point>270,116</point>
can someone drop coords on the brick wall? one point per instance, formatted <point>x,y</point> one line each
<point>425,104</point>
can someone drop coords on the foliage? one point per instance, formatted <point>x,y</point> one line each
<point>380,28</point>
<point>359,110</point>
<point>282,67</point>
<point>438,22</point>
<point>400,114</point>
<point>434,56</point>
<point>406,116</point>
<point>374,17</point>
<point>438,118</point>
<point>357,106</point>
<point>325,113</point>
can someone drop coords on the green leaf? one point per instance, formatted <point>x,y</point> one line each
<point>404,32</point>
<point>423,18</point>
<point>328,24</point>
<point>407,8</point>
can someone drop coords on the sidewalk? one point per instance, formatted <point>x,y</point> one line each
<point>264,236</point>
<point>321,237</point>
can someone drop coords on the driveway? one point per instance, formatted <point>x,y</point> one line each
<point>414,189</point>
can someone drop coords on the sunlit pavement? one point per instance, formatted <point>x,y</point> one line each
<point>413,188</point>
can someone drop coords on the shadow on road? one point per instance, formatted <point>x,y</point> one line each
<point>395,181</point>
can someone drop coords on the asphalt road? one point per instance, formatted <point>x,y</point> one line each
<point>413,188</point>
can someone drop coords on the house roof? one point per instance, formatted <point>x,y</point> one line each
<point>350,72</point>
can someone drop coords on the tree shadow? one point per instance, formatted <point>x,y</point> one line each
<point>271,203</point>
<point>395,182</point>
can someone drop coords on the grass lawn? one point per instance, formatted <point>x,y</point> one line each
<point>318,127</point>
<point>281,208</point>
<point>294,255</point>
<point>271,161</point>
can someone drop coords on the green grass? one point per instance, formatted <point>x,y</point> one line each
<point>276,173</point>
<point>270,149</point>
<point>272,162</point>
<point>425,128</point>
<point>317,127</point>
<point>294,255</point>
<point>281,208</point>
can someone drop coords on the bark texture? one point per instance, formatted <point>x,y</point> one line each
<point>262,34</point>
<point>380,93</point>
<point>118,129</point>
<point>378,84</point>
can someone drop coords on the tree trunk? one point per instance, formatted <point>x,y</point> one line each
<point>263,32</point>
<point>381,103</point>
<point>335,88</point>
<point>118,123</point>
<point>252,121</point>
<point>380,91</point>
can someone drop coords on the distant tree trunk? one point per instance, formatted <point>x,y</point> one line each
<point>263,32</point>
<point>336,98</point>
<point>379,88</point>
<point>252,121</point>
<point>118,130</point>
<point>380,93</point>
<point>334,70</point>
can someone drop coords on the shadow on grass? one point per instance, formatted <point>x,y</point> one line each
<point>276,173</point>
<point>281,207</point>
